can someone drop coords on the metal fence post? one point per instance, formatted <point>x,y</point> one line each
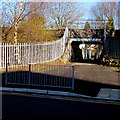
<point>72,77</point>
<point>0,55</point>
<point>6,75</point>
<point>105,50</point>
<point>29,74</point>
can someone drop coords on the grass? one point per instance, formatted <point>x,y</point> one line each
<point>44,66</point>
<point>116,63</point>
<point>115,68</point>
<point>36,67</point>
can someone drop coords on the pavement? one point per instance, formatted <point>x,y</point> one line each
<point>104,94</point>
<point>109,93</point>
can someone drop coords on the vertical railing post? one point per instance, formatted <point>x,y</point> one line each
<point>6,75</point>
<point>0,55</point>
<point>72,77</point>
<point>29,74</point>
<point>105,50</point>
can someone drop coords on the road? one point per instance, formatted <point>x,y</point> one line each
<point>43,107</point>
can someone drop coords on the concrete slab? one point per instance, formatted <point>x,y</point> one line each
<point>58,93</point>
<point>104,93</point>
<point>109,93</point>
<point>6,89</point>
<point>0,88</point>
<point>36,91</point>
<point>115,94</point>
<point>20,90</point>
<point>77,95</point>
<point>73,94</point>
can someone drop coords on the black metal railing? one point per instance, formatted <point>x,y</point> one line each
<point>59,76</point>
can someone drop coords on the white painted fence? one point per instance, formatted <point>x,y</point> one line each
<point>30,53</point>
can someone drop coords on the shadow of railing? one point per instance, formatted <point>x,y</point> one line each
<point>52,82</point>
<point>36,80</point>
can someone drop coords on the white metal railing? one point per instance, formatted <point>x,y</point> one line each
<point>30,53</point>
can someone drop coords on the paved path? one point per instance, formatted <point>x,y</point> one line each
<point>89,72</point>
<point>96,73</point>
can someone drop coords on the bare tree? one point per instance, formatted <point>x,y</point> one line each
<point>13,13</point>
<point>105,11</point>
<point>62,14</point>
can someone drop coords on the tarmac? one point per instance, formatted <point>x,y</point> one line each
<point>96,73</point>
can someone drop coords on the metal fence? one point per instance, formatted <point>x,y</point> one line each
<point>59,76</point>
<point>32,53</point>
<point>112,49</point>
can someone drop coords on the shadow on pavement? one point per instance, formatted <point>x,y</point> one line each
<point>80,86</point>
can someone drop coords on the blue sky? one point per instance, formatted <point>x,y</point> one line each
<point>88,6</point>
<point>67,0</point>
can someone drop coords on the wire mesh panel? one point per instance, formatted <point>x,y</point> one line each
<point>58,76</point>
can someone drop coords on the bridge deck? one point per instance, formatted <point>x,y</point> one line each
<point>86,40</point>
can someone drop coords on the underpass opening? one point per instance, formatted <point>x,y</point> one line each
<point>86,51</point>
<point>92,40</point>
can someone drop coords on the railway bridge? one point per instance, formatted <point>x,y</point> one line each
<point>92,44</point>
<point>85,44</point>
